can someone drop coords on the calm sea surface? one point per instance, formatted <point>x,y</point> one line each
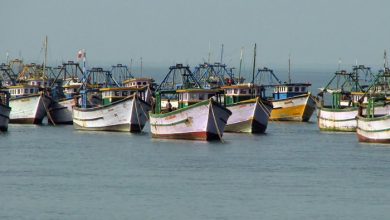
<point>292,172</point>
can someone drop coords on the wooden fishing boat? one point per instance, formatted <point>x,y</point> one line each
<point>373,127</point>
<point>248,114</point>
<point>4,110</point>
<point>29,105</point>
<point>291,101</point>
<point>199,116</point>
<point>340,114</point>
<point>65,93</point>
<point>122,109</point>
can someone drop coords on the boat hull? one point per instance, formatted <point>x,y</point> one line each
<point>250,116</point>
<point>337,119</point>
<point>4,117</point>
<point>61,112</point>
<point>298,108</point>
<point>202,121</point>
<point>344,119</point>
<point>373,130</point>
<point>128,115</point>
<point>29,110</point>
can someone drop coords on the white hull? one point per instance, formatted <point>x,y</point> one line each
<point>249,116</point>
<point>129,114</point>
<point>375,130</point>
<point>202,121</point>
<point>343,119</point>
<point>337,119</point>
<point>4,117</point>
<point>61,112</point>
<point>29,110</point>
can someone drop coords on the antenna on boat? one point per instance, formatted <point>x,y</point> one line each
<point>385,62</point>
<point>141,66</point>
<point>254,67</point>
<point>6,56</point>
<point>131,65</point>
<point>289,68</point>
<point>221,53</point>
<point>339,64</point>
<point>44,61</point>
<point>239,70</point>
<point>209,52</point>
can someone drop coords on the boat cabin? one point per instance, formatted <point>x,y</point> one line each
<point>23,90</point>
<point>285,91</point>
<point>183,98</point>
<point>138,82</point>
<point>241,92</point>
<point>187,97</point>
<point>110,95</point>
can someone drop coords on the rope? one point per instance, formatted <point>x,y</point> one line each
<point>47,111</point>
<point>136,111</point>
<point>215,121</point>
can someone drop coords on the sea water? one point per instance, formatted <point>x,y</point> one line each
<point>294,171</point>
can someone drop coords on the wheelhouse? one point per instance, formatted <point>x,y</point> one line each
<point>241,92</point>
<point>285,91</point>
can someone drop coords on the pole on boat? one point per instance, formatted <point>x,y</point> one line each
<point>289,68</point>
<point>141,66</point>
<point>239,70</point>
<point>221,53</point>
<point>253,69</point>
<point>44,61</point>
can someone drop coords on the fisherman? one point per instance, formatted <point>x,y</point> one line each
<point>168,106</point>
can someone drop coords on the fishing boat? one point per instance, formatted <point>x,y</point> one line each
<point>29,100</point>
<point>4,110</point>
<point>248,114</point>
<point>291,101</point>
<point>340,114</point>
<point>121,109</point>
<point>373,124</point>
<point>200,114</point>
<point>373,127</point>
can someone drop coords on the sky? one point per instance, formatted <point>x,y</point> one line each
<point>315,33</point>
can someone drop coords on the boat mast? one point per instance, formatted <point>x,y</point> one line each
<point>208,61</point>
<point>253,70</point>
<point>239,70</point>
<point>221,53</point>
<point>141,66</point>
<point>385,63</point>
<point>44,62</point>
<point>289,68</point>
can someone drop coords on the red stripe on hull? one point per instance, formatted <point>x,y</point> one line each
<point>204,136</point>
<point>362,138</point>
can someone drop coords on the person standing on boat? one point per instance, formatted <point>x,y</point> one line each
<point>168,106</point>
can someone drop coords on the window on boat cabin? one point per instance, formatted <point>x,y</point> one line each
<point>25,91</point>
<point>235,91</point>
<point>185,96</point>
<point>303,89</point>
<point>194,96</point>
<point>202,96</point>
<point>117,93</point>
<point>31,91</point>
<point>296,89</point>
<point>243,91</point>
<point>124,93</point>
<point>144,83</point>
<point>138,83</point>
<point>290,89</point>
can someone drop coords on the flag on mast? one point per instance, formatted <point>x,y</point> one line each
<point>81,54</point>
